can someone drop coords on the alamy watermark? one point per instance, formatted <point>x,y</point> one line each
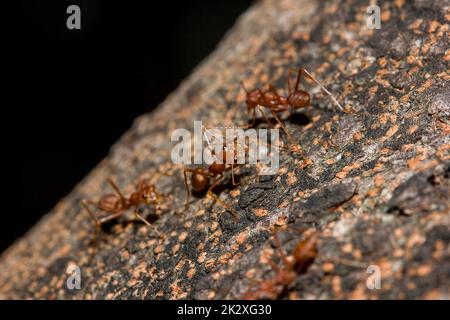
<point>237,145</point>
<point>74,20</point>
<point>374,280</point>
<point>74,280</point>
<point>374,17</point>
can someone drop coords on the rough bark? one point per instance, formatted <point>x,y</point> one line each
<point>377,190</point>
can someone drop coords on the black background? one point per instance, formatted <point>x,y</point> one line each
<point>70,94</point>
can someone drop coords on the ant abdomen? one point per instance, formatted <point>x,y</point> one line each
<point>299,99</point>
<point>199,181</point>
<point>109,202</point>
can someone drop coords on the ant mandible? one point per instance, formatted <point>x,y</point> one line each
<point>201,177</point>
<point>115,204</point>
<point>304,254</point>
<point>276,103</point>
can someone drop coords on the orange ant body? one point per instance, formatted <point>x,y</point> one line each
<point>304,254</point>
<point>201,177</point>
<point>115,204</point>
<point>276,103</point>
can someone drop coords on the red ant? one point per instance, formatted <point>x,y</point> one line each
<point>304,254</point>
<point>201,177</point>
<point>115,204</point>
<point>270,99</point>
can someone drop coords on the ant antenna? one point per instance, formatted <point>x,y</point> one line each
<point>243,86</point>
<point>205,135</point>
<point>324,89</point>
<point>205,129</point>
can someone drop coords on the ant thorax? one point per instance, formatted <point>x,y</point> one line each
<point>227,146</point>
<point>135,198</point>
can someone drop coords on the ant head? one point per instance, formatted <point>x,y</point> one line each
<point>254,97</point>
<point>299,99</point>
<point>149,195</point>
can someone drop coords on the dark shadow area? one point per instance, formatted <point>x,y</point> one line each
<point>299,119</point>
<point>72,93</point>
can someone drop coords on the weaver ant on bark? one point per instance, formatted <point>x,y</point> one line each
<point>276,103</point>
<point>201,178</point>
<point>115,204</point>
<point>304,254</point>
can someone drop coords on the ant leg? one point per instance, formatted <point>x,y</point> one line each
<point>273,265</point>
<point>85,204</point>
<point>138,216</point>
<point>93,203</point>
<point>253,119</point>
<point>271,124</point>
<point>289,81</point>
<point>232,175</point>
<point>254,111</point>
<point>281,251</point>
<point>299,76</point>
<point>282,126</point>
<point>188,194</point>
<point>309,75</point>
<point>97,222</point>
<point>291,140</point>
<point>297,81</point>
<point>211,187</point>
<point>96,235</point>
<point>243,86</point>
<point>216,198</point>
<point>257,176</point>
<point>265,116</point>
<point>117,190</point>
